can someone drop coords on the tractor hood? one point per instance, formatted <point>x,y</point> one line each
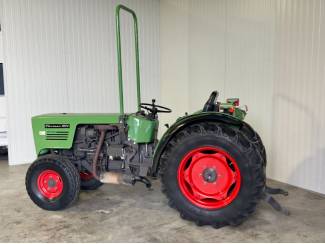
<point>48,129</point>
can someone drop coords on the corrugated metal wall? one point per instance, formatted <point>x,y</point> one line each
<point>174,59</point>
<point>298,128</point>
<point>271,54</point>
<point>60,56</point>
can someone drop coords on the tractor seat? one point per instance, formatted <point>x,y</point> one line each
<point>212,105</point>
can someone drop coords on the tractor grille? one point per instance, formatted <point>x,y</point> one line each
<point>57,135</point>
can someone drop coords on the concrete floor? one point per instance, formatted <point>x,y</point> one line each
<point>134,214</point>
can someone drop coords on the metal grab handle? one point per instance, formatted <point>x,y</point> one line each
<point>119,55</point>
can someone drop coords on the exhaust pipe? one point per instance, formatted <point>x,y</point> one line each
<point>102,129</point>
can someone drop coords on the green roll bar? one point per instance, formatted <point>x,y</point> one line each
<point>119,55</point>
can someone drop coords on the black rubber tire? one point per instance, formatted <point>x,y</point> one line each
<point>255,139</point>
<point>242,150</point>
<point>89,185</point>
<point>70,177</point>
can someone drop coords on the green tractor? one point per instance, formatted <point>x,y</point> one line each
<point>211,163</point>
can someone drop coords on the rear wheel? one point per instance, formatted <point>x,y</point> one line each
<point>88,182</point>
<point>212,174</point>
<point>52,182</point>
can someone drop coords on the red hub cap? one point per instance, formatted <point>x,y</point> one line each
<point>50,184</point>
<point>209,177</point>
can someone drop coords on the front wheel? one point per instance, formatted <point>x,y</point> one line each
<point>52,182</point>
<point>212,174</point>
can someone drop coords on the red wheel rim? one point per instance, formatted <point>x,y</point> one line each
<point>50,184</point>
<point>209,177</point>
<point>85,176</point>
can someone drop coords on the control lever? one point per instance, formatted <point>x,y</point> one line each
<point>154,109</point>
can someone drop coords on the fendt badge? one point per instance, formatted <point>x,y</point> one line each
<point>57,126</point>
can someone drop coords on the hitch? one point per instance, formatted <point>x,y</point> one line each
<point>274,191</point>
<point>274,203</point>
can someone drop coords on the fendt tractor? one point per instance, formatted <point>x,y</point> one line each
<point>211,163</point>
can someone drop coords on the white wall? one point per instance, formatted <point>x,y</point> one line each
<point>174,59</point>
<point>269,53</point>
<point>60,56</point>
<point>1,18</point>
<point>3,104</point>
<point>298,145</point>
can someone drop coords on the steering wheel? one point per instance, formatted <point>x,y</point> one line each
<point>153,108</point>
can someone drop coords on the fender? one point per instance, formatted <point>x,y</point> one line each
<point>185,121</point>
